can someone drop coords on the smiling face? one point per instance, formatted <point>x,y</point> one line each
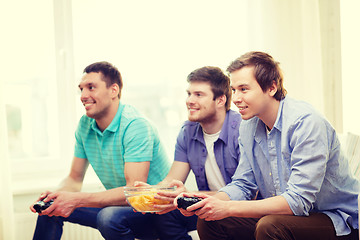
<point>200,102</point>
<point>95,96</point>
<point>250,98</point>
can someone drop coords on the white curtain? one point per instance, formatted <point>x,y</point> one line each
<point>350,52</point>
<point>304,36</point>
<point>6,200</point>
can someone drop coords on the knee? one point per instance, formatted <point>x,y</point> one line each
<point>108,219</point>
<point>203,226</point>
<point>201,223</point>
<point>269,226</point>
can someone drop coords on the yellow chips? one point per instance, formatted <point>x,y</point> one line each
<point>144,201</point>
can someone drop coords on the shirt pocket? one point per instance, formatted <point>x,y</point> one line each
<point>230,167</point>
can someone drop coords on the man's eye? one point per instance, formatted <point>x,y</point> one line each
<point>91,87</point>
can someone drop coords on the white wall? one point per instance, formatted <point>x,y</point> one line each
<point>6,198</point>
<point>290,32</point>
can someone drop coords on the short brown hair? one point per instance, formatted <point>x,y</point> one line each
<point>110,74</point>
<point>266,71</point>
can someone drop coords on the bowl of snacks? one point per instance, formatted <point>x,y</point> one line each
<point>142,199</point>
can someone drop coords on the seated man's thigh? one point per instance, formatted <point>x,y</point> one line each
<point>122,220</point>
<point>227,228</point>
<point>316,226</point>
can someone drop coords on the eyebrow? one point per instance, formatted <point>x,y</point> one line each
<point>195,92</point>
<point>86,84</point>
<point>239,86</point>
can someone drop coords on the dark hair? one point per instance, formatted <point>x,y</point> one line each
<point>266,71</point>
<point>219,82</point>
<point>110,74</point>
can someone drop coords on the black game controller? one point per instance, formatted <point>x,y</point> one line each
<point>41,205</point>
<point>185,202</point>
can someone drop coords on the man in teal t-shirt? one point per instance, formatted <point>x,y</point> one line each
<point>122,147</point>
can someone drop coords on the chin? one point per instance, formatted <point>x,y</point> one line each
<point>90,115</point>
<point>246,117</point>
<point>191,119</point>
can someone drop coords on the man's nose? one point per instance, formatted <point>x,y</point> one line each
<point>237,97</point>
<point>189,99</point>
<point>84,95</point>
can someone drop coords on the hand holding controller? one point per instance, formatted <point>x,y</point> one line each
<point>41,205</point>
<point>185,202</point>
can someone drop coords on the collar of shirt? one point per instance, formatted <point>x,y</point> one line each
<point>114,125</point>
<point>199,136</point>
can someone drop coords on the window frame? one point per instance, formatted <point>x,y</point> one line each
<point>34,170</point>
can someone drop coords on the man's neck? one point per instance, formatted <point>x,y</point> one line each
<point>214,125</point>
<point>105,121</point>
<point>269,117</point>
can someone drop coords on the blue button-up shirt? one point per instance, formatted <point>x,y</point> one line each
<point>299,159</point>
<point>190,147</point>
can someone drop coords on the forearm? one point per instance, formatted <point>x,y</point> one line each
<point>222,196</point>
<point>70,185</point>
<point>211,193</point>
<point>167,180</point>
<point>178,171</point>
<point>112,197</point>
<point>73,182</point>
<point>259,208</point>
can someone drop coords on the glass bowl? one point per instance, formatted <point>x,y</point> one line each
<point>142,198</point>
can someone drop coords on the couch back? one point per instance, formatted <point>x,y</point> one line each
<point>352,152</point>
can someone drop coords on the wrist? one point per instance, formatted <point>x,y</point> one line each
<point>82,199</point>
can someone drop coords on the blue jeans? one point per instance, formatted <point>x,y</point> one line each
<point>174,225</point>
<point>112,222</point>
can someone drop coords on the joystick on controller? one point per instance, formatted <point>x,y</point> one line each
<point>185,202</point>
<point>41,205</point>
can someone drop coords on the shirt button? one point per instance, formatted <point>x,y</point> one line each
<point>269,174</point>
<point>273,194</point>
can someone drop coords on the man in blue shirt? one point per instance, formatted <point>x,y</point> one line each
<point>207,144</point>
<point>291,162</point>
<point>122,147</point>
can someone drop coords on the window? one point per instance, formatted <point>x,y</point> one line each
<point>29,85</point>
<point>31,89</point>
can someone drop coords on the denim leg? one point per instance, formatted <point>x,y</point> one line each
<point>123,223</point>
<point>174,225</point>
<point>51,228</point>
<point>48,228</point>
<point>112,222</point>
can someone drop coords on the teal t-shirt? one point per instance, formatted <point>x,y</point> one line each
<point>129,138</point>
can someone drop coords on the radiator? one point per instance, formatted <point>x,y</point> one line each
<point>25,225</point>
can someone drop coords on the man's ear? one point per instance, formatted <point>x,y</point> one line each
<point>273,89</point>
<point>115,90</point>
<point>221,100</point>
